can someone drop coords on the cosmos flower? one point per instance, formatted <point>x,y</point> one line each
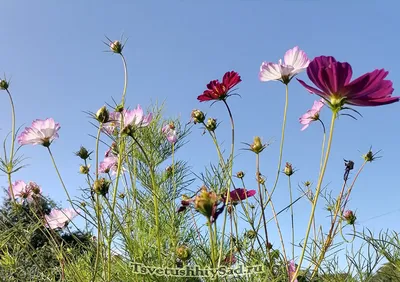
<point>109,164</point>
<point>332,79</point>
<point>136,117</point>
<point>240,194</point>
<point>220,91</point>
<point>41,132</point>
<point>170,132</point>
<point>311,115</point>
<point>59,218</point>
<point>292,270</point>
<point>295,61</point>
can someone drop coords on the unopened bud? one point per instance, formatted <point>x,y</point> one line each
<point>84,169</point>
<point>211,124</point>
<point>240,174</point>
<point>288,170</point>
<point>116,47</point>
<point>198,116</point>
<point>257,146</point>
<point>101,186</point>
<point>350,217</point>
<point>251,234</point>
<point>183,252</point>
<point>102,115</point>
<point>83,153</point>
<point>3,84</point>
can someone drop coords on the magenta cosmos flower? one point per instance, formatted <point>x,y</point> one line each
<point>295,61</point>
<point>311,115</point>
<point>240,194</point>
<point>332,79</point>
<point>170,133</point>
<point>41,132</point>
<point>220,90</point>
<point>59,218</point>
<point>23,191</point>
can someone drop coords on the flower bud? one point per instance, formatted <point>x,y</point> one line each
<point>121,195</point>
<point>211,124</point>
<point>119,108</point>
<point>350,217</point>
<point>116,47</point>
<point>288,170</point>
<point>101,186</point>
<point>32,186</point>
<point>257,146</point>
<point>198,116</point>
<point>240,174</point>
<point>83,153</point>
<point>205,202</point>
<point>102,115</point>
<point>369,157</point>
<point>307,184</point>
<point>260,179</point>
<point>84,169</point>
<point>83,204</point>
<point>251,234</point>
<point>269,246</point>
<point>3,84</point>
<point>183,252</point>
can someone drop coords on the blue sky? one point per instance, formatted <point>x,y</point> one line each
<point>53,52</point>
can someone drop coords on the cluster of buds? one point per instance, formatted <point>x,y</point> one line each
<point>350,217</point>
<point>101,186</point>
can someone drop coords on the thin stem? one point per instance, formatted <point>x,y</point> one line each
<point>317,192</point>
<point>9,166</point>
<point>262,204</point>
<point>211,242</point>
<point>97,208</point>
<point>282,142</point>
<point>229,179</point>
<point>59,176</point>
<point>125,79</point>
<point>291,214</point>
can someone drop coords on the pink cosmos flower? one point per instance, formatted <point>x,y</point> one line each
<point>220,91</point>
<point>295,61</point>
<point>22,191</point>
<point>170,133</point>
<point>59,218</point>
<point>113,122</point>
<point>136,117</point>
<point>292,270</point>
<point>240,194</point>
<point>41,132</point>
<point>311,115</point>
<point>332,79</point>
<point>109,164</point>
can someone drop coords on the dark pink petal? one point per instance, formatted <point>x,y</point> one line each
<point>335,77</point>
<point>370,84</point>
<point>314,68</point>
<point>313,90</point>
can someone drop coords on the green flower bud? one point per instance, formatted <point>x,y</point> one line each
<point>3,84</point>
<point>101,186</point>
<point>116,47</point>
<point>198,116</point>
<point>102,115</point>
<point>211,124</point>
<point>84,169</point>
<point>183,252</point>
<point>83,153</point>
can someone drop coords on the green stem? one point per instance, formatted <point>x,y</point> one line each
<point>262,205</point>
<point>211,242</point>
<point>97,209</point>
<point>291,215</point>
<point>59,176</point>
<point>156,213</point>
<point>317,192</point>
<point>10,164</point>
<point>282,142</point>
<point>125,79</point>
<point>229,179</point>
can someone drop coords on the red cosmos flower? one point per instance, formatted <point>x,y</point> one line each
<point>219,91</point>
<point>240,194</point>
<point>332,79</point>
